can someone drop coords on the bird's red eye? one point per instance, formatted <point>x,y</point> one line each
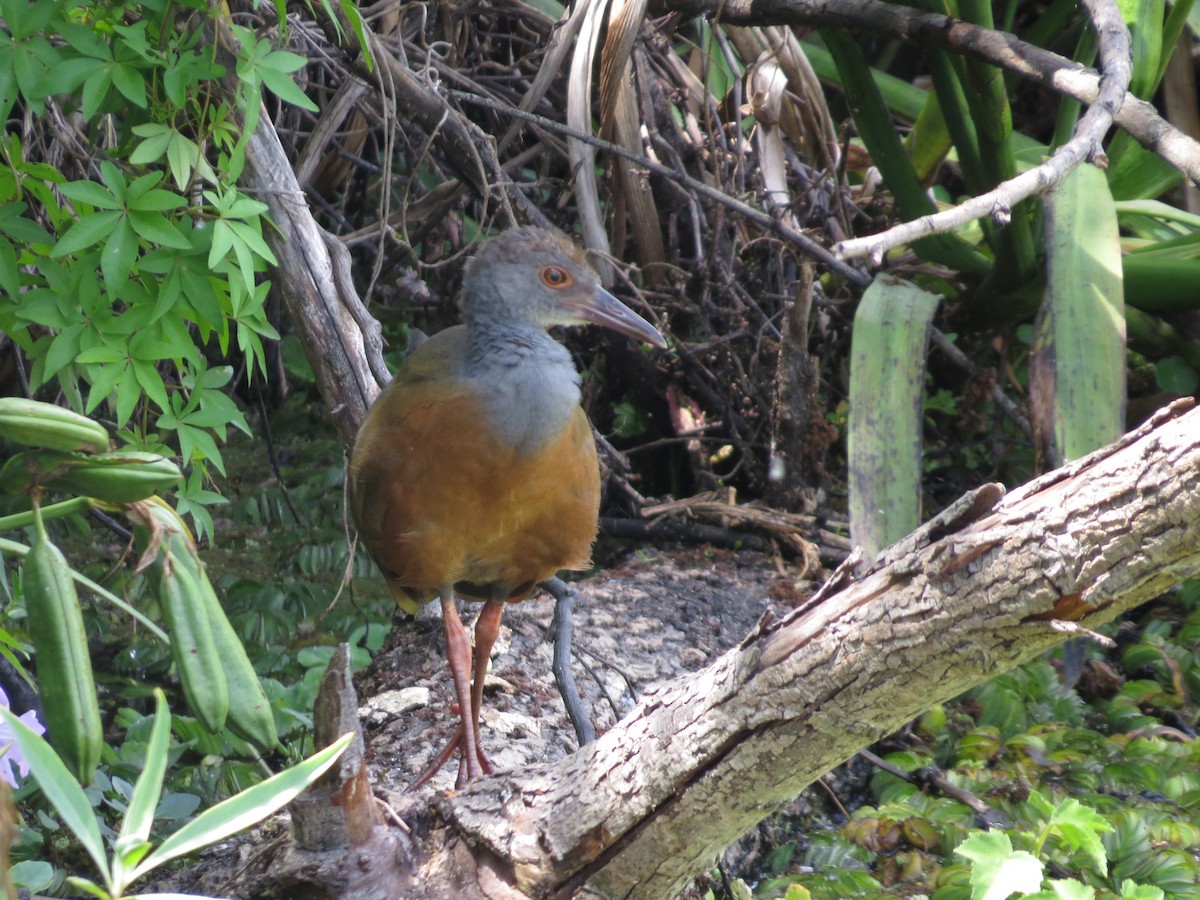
<point>555,277</point>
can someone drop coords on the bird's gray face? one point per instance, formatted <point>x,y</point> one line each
<point>540,278</point>
<point>591,303</point>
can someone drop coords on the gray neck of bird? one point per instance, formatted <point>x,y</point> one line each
<point>528,377</point>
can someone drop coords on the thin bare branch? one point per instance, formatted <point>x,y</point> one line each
<point>1066,77</point>
<point>798,239</point>
<point>1086,144</point>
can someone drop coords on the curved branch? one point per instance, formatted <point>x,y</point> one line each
<point>1066,77</point>
<point>798,239</point>
<point>1085,144</point>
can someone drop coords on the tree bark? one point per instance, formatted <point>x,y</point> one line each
<point>342,341</point>
<point>975,592</point>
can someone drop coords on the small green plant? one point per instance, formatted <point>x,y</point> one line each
<point>998,870</point>
<point>124,272</point>
<point>219,681</point>
<point>132,853</point>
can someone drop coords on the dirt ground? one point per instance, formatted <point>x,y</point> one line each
<point>653,617</point>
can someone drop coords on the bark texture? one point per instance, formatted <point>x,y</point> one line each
<point>342,341</point>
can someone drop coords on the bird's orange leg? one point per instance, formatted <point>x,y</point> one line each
<point>487,627</point>
<point>458,655</point>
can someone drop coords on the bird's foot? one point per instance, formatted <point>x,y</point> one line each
<point>465,775</point>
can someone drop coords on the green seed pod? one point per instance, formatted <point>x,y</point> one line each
<point>201,667</point>
<point>250,715</point>
<point>32,467</point>
<point>38,424</point>
<point>119,477</point>
<point>64,669</point>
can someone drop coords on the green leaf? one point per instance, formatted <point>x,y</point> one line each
<point>151,382</point>
<point>1175,376</point>
<point>95,91</point>
<point>102,353</point>
<point>44,307</point>
<point>1038,803</point>
<point>157,229</point>
<point>16,225</point>
<point>250,344</point>
<point>1156,280</point>
<point>135,40</point>
<point>130,83</point>
<point>887,153</point>
<point>63,349</point>
<point>157,139</point>
<point>1145,21</point>
<point>91,193</point>
<point>115,179</point>
<point>354,16</point>
<point>245,259</point>
<point>1080,828</point>
<point>287,90</point>
<point>283,61</point>
<point>74,72</point>
<point>33,875</point>
<point>86,41</point>
<point>104,381</point>
<point>120,251</point>
<point>1070,889</point>
<point>1135,172</point>
<point>61,790</point>
<point>197,444</point>
<point>222,242</point>
<point>128,395</point>
<point>85,233</point>
<point>136,189</point>
<point>253,239</point>
<point>216,377</point>
<point>135,827</point>
<point>887,379</point>
<point>25,20</point>
<point>216,409</point>
<point>1130,890</point>
<point>184,157</point>
<point>1079,351</point>
<point>32,61</point>
<point>175,332</point>
<point>157,200</point>
<point>999,871</point>
<point>88,887</point>
<point>245,809</point>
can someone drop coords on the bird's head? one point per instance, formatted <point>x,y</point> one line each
<point>539,277</point>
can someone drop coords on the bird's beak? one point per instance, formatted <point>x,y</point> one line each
<point>602,308</point>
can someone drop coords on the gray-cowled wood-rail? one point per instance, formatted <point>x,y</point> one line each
<point>475,471</point>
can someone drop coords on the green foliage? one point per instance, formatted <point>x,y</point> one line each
<point>1003,271</point>
<point>133,855</point>
<point>118,287</point>
<point>1098,797</point>
<point>999,871</point>
<point>204,768</point>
